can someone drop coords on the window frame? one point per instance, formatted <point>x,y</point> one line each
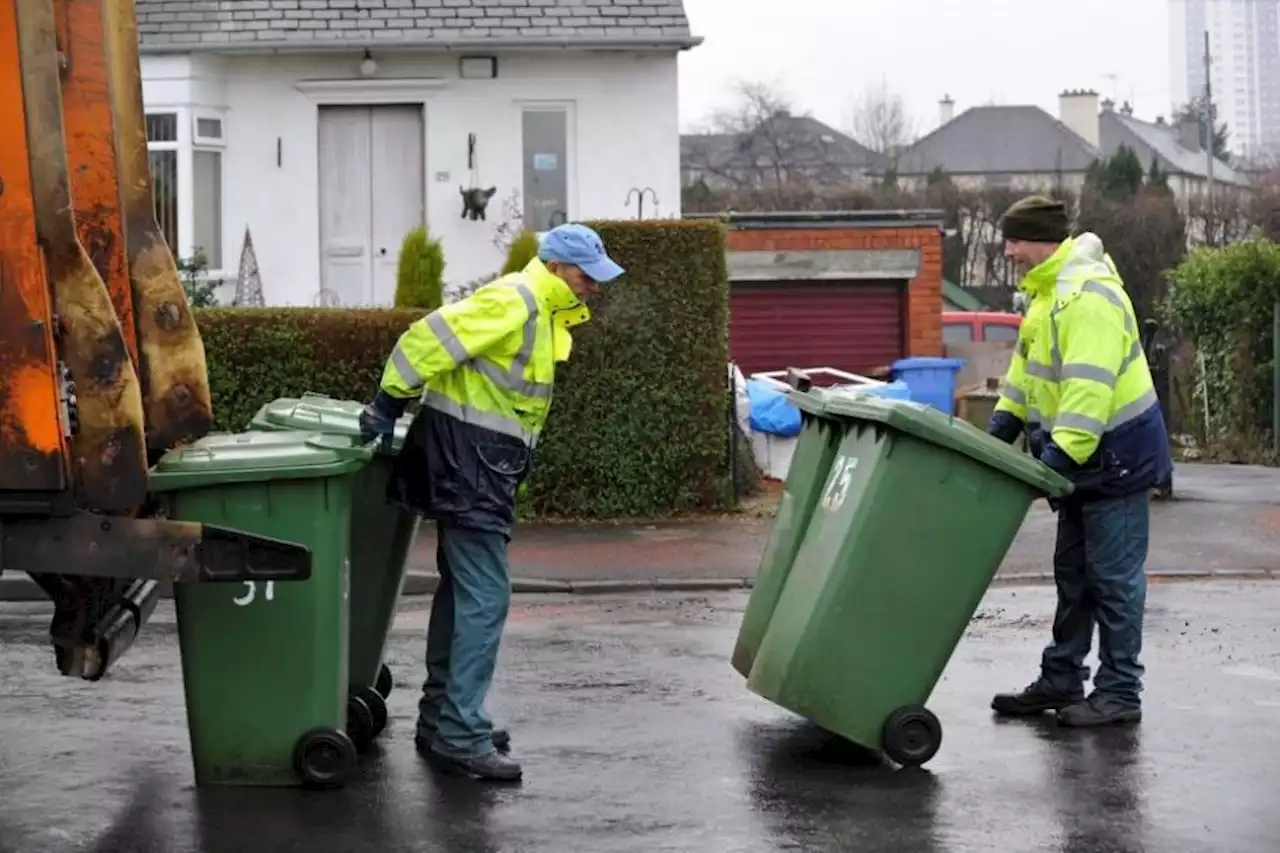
<point>187,143</point>
<point>569,109</point>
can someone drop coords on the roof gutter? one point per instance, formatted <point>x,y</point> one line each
<point>653,43</point>
<point>823,219</point>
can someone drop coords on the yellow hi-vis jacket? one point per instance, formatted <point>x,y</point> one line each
<point>489,360</point>
<point>484,367</point>
<point>1080,376</point>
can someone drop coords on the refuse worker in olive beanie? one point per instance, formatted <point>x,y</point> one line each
<point>1079,385</point>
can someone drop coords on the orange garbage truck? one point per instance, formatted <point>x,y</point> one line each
<point>102,369</point>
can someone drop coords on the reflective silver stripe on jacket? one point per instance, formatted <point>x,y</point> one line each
<point>472,415</point>
<point>1093,426</point>
<point>1060,372</point>
<point>1130,325</point>
<point>410,375</point>
<point>510,379</point>
<point>1014,394</point>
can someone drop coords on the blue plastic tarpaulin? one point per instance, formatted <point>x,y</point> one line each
<point>771,411</point>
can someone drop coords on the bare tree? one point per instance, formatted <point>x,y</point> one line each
<point>881,122</point>
<point>760,141</point>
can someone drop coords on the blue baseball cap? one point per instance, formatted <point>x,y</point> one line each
<point>581,246</point>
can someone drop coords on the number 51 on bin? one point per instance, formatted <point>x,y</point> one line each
<point>837,488</point>
<point>252,592</point>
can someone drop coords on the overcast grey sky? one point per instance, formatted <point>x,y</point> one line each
<point>823,52</point>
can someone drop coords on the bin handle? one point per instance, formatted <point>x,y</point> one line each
<point>346,447</point>
<point>304,412</point>
<point>773,376</point>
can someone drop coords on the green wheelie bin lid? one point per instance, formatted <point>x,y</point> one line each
<point>250,457</point>
<point>937,427</point>
<point>321,413</point>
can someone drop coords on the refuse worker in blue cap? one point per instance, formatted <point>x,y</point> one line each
<point>484,368</point>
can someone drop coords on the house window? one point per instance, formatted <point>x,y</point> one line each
<point>162,155</point>
<point>206,196</point>
<point>185,154</point>
<point>545,133</point>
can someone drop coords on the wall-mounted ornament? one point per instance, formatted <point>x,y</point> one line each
<point>475,200</point>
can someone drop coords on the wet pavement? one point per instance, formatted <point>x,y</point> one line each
<point>637,735</point>
<point>1225,519</point>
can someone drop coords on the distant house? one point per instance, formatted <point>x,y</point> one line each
<point>330,128</point>
<point>1175,148</point>
<point>781,150</point>
<point>1025,148</point>
<point>1015,147</point>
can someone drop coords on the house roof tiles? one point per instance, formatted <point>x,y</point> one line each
<point>183,25</point>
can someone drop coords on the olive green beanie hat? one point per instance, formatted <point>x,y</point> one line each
<point>1036,219</point>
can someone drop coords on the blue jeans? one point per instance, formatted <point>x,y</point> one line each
<point>467,617</point>
<point>1099,564</point>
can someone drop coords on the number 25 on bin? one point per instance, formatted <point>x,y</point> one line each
<point>252,593</point>
<point>837,488</point>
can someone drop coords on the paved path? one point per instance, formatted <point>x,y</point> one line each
<point>637,736</point>
<point>1225,519</point>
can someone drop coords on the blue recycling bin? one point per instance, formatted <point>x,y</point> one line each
<point>932,380</point>
<point>896,390</point>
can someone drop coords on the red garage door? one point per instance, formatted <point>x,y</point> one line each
<point>851,326</point>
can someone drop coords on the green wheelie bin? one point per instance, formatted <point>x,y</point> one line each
<point>264,666</point>
<point>381,536</point>
<point>815,448</point>
<point>914,517</point>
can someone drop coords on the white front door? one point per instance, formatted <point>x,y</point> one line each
<point>371,167</point>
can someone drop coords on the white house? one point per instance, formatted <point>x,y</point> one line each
<point>330,128</point>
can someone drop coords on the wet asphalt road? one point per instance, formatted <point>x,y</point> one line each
<point>638,736</point>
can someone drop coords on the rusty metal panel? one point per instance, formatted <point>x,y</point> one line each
<point>33,452</point>
<point>109,470</point>
<point>99,612</point>
<point>856,327</point>
<point>171,360</point>
<point>91,153</point>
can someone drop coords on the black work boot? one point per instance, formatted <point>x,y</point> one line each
<point>1098,710</point>
<point>1037,698</point>
<point>501,740</point>
<point>494,767</point>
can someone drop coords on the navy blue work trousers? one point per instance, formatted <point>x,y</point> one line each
<point>1100,568</point>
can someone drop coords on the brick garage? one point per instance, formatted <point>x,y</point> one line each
<point>854,291</point>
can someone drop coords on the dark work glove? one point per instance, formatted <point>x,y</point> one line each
<point>1035,442</point>
<point>1005,427</point>
<point>1053,456</point>
<point>378,420</point>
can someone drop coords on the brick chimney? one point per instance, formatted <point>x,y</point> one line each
<point>1078,110</point>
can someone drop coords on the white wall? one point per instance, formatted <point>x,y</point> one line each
<point>623,133</point>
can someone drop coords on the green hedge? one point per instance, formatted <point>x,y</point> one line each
<point>1224,299</point>
<point>639,426</point>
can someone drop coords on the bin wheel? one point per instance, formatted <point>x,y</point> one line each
<point>912,735</point>
<point>324,758</point>
<point>384,683</point>
<point>361,723</point>
<point>377,708</point>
